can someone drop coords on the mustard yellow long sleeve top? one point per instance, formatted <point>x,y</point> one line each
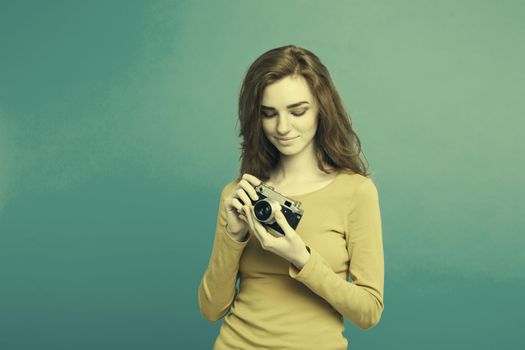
<point>279,307</point>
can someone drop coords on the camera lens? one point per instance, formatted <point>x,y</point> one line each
<point>263,210</point>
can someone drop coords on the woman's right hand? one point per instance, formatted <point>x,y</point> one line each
<point>237,224</point>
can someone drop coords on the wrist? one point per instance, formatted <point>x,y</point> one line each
<point>241,237</point>
<point>303,259</point>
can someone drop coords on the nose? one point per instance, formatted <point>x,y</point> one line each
<point>283,124</point>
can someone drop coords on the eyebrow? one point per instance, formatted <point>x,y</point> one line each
<point>289,106</point>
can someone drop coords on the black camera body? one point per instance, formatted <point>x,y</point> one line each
<point>268,203</point>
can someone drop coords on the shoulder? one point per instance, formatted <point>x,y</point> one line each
<point>354,184</point>
<point>354,181</point>
<point>229,187</point>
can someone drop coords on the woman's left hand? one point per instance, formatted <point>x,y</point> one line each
<point>290,246</point>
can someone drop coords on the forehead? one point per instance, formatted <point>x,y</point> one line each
<point>286,91</point>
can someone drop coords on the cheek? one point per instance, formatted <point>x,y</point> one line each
<point>266,127</point>
<point>309,127</point>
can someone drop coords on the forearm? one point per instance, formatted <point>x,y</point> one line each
<point>239,237</point>
<point>301,260</point>
<point>361,304</point>
<point>217,289</point>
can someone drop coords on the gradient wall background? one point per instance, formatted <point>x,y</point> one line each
<point>118,132</point>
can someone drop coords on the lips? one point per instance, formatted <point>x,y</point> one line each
<point>285,139</point>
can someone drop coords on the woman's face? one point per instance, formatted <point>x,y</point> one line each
<point>289,115</point>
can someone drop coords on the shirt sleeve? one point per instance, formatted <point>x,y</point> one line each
<point>360,301</point>
<point>217,289</point>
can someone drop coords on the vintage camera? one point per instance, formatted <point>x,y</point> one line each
<point>268,203</point>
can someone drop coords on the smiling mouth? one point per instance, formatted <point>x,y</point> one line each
<point>283,139</point>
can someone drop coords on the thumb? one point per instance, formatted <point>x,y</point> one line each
<point>283,223</point>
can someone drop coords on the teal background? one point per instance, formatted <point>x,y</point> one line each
<point>118,131</point>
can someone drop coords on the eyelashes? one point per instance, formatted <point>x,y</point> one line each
<point>272,115</point>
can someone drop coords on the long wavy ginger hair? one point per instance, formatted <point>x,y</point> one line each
<point>338,146</point>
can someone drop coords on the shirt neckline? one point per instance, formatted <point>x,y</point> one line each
<point>293,196</point>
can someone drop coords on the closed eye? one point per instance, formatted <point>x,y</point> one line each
<point>297,114</point>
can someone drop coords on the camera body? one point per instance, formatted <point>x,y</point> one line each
<point>268,203</point>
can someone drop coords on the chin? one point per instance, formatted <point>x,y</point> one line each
<point>288,151</point>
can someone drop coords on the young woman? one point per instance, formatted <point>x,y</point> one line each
<point>294,289</point>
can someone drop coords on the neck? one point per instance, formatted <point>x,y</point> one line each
<point>300,167</point>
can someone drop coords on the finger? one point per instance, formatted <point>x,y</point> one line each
<point>236,204</point>
<point>243,196</point>
<point>264,236</point>
<point>248,188</point>
<point>283,223</point>
<point>252,221</point>
<point>249,219</point>
<point>252,179</point>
